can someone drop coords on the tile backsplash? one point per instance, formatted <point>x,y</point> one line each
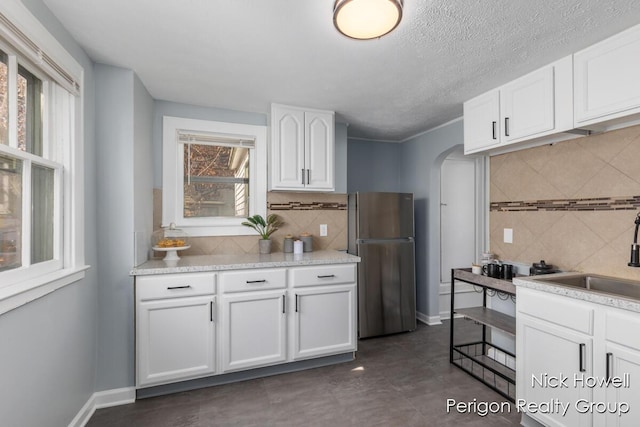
<point>572,204</point>
<point>301,212</point>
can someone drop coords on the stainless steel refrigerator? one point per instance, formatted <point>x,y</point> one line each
<point>381,234</point>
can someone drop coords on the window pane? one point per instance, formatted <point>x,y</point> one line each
<point>42,179</point>
<point>4,96</point>
<point>29,112</point>
<point>10,213</point>
<point>216,181</point>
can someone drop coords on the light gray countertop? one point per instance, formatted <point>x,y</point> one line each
<point>195,263</point>
<point>577,293</point>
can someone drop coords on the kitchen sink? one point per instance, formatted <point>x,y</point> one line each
<point>596,283</point>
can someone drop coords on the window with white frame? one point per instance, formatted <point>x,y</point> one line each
<point>214,175</point>
<point>40,174</point>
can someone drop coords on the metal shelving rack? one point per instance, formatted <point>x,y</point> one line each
<point>473,357</point>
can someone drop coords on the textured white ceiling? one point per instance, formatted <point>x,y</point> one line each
<point>245,54</point>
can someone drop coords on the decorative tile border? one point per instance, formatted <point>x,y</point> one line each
<point>592,204</point>
<point>307,206</point>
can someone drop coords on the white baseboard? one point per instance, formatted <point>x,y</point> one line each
<point>428,320</point>
<point>446,315</point>
<point>103,399</point>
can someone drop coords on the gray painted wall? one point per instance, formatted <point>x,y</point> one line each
<point>143,169</point>
<point>373,166</point>
<point>421,158</point>
<point>123,134</point>
<point>114,135</point>
<point>48,351</point>
<point>341,154</point>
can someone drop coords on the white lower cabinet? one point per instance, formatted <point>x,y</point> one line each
<point>187,328</point>
<point>175,328</point>
<point>567,351</point>
<point>622,356</point>
<point>323,321</point>
<point>253,329</point>
<point>549,356</point>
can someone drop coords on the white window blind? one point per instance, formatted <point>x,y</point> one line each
<point>239,141</point>
<point>27,47</point>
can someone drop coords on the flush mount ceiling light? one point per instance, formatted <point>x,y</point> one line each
<point>366,19</point>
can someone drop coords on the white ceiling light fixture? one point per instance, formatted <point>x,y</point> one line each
<point>366,19</point>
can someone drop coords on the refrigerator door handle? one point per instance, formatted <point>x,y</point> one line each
<point>398,240</point>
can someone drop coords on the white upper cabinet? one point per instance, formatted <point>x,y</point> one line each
<point>607,81</point>
<point>302,156</point>
<point>535,106</point>
<point>528,105</point>
<point>319,150</point>
<point>482,122</point>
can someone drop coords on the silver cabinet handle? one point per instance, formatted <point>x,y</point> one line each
<point>581,355</point>
<point>284,302</point>
<point>494,130</point>
<point>296,303</point>
<point>257,281</point>
<point>302,176</point>
<point>327,276</point>
<point>211,311</point>
<point>179,287</point>
<point>609,365</point>
<point>308,176</point>
<point>506,126</point>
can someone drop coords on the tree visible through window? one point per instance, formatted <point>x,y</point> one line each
<point>32,228</point>
<point>216,181</point>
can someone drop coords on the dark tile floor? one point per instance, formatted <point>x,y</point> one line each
<point>398,380</point>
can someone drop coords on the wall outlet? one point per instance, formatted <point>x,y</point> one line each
<point>323,230</point>
<point>508,235</point>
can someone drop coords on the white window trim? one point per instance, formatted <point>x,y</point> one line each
<point>20,292</point>
<point>172,177</point>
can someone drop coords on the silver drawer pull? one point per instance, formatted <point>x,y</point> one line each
<point>257,281</point>
<point>327,276</point>
<point>179,287</point>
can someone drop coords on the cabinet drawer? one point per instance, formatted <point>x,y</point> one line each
<point>175,285</point>
<point>253,280</point>
<point>557,309</point>
<point>622,328</point>
<point>323,275</point>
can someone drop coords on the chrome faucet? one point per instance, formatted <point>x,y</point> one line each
<point>635,251</point>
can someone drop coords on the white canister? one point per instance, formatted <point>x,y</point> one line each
<point>298,247</point>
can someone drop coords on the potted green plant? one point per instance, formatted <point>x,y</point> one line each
<point>265,229</point>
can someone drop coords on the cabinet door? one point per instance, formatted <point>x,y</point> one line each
<point>606,79</point>
<point>547,351</point>
<point>324,321</point>
<point>482,122</point>
<point>319,150</point>
<point>622,355</point>
<point>527,105</point>
<point>287,169</point>
<point>623,361</point>
<point>175,339</point>
<point>253,329</point>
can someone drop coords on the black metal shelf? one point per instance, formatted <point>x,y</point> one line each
<point>473,357</point>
